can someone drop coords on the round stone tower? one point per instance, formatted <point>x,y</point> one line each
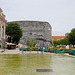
<point>34,29</point>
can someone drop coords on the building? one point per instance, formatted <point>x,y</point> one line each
<point>58,37</point>
<point>2,27</point>
<point>34,29</point>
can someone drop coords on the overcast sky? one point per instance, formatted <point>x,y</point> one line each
<point>59,13</point>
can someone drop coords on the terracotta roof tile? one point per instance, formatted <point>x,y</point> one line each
<point>58,37</point>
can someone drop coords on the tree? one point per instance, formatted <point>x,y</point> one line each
<point>14,31</point>
<point>71,37</point>
<point>64,41</point>
<point>28,42</point>
<point>55,42</point>
<point>31,42</point>
<point>60,42</point>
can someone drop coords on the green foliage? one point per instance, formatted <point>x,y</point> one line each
<point>31,42</point>
<point>58,49</point>
<point>67,50</point>
<point>14,31</point>
<point>28,43</point>
<point>51,49</point>
<point>34,48</point>
<point>4,46</point>
<point>28,48</point>
<point>73,30</point>
<point>31,48</point>
<point>34,42</point>
<point>55,42</point>
<point>71,37</point>
<point>64,41</point>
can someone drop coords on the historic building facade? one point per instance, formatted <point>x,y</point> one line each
<point>2,26</point>
<point>34,29</point>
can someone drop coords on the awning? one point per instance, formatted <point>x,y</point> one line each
<point>11,44</point>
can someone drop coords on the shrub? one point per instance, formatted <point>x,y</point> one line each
<point>4,46</point>
<point>51,49</point>
<point>66,50</point>
<point>28,48</point>
<point>34,48</point>
<point>58,49</point>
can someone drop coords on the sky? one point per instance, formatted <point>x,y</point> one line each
<point>59,13</point>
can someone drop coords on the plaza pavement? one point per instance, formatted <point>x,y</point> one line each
<point>17,51</point>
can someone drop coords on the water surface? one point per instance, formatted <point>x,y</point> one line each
<point>21,64</point>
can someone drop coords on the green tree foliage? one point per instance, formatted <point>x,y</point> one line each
<point>71,37</point>
<point>60,42</point>
<point>13,30</point>
<point>55,42</point>
<point>28,42</point>
<point>64,41</point>
<point>31,42</point>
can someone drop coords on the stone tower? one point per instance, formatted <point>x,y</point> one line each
<point>34,29</point>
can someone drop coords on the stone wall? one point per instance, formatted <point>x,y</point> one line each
<point>34,29</point>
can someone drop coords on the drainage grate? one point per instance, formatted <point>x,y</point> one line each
<point>44,70</point>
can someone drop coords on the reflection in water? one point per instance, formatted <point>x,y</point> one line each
<point>16,64</point>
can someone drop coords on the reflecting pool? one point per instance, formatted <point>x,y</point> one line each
<point>27,64</point>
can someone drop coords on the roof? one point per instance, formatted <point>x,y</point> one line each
<point>58,37</point>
